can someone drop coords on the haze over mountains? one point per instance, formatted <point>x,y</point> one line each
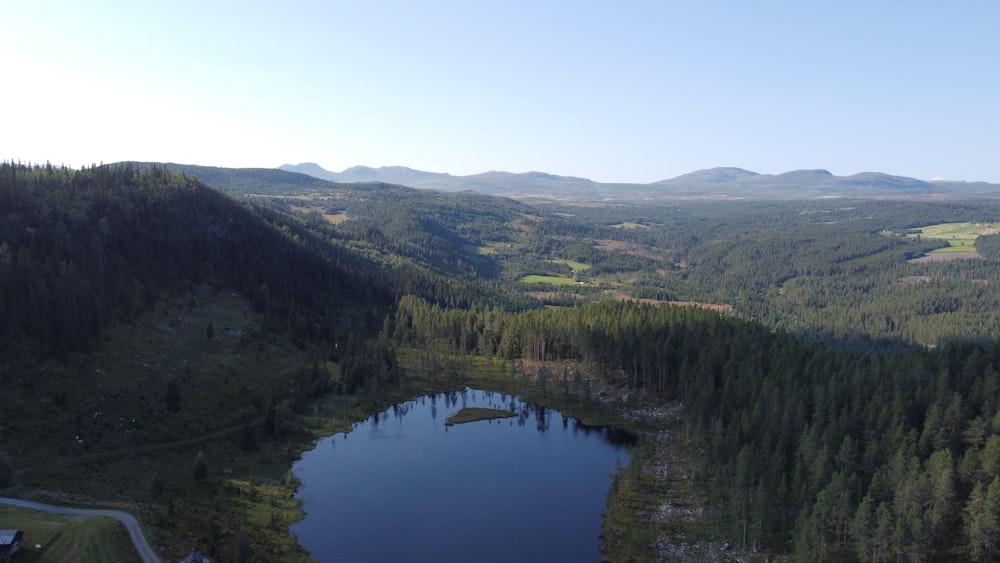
<point>714,183</point>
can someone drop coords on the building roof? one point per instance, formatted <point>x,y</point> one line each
<point>8,537</point>
<point>195,557</point>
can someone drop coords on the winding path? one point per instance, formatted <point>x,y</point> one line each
<point>146,552</point>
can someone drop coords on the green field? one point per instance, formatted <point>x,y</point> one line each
<point>961,237</point>
<point>956,246</point>
<point>957,234</point>
<point>480,250</point>
<point>65,538</point>
<point>958,231</point>
<point>576,266</point>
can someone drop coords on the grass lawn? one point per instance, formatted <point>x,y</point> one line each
<point>65,538</point>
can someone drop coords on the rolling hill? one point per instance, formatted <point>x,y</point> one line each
<point>714,183</point>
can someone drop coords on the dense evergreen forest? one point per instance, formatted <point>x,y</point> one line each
<point>82,248</point>
<point>840,399</point>
<point>828,453</point>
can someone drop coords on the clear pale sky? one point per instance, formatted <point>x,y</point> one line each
<point>626,91</point>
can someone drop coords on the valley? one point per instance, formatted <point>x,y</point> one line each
<point>802,384</point>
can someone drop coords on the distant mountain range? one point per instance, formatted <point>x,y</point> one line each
<point>713,183</point>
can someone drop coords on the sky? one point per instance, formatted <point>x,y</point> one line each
<point>627,91</point>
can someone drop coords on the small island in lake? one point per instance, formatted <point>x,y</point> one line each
<point>472,414</point>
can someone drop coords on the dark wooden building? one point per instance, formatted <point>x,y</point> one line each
<point>10,543</point>
<point>196,557</point>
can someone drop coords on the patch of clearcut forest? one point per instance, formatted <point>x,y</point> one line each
<point>171,349</point>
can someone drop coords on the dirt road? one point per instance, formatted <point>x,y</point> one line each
<point>131,524</point>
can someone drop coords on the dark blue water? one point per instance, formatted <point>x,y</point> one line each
<point>404,487</point>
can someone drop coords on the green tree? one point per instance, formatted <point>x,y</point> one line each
<point>882,540</point>
<point>940,470</point>
<point>982,520</point>
<point>911,536</point>
<point>863,529</point>
<point>989,459</point>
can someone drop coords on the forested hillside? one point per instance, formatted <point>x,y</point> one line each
<point>834,270</point>
<point>142,311</point>
<point>82,248</point>
<point>837,270</point>
<point>422,242</point>
<point>838,390</point>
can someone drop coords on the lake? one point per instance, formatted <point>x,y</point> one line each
<point>402,486</point>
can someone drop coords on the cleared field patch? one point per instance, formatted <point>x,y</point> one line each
<point>549,295</point>
<point>551,280</point>
<point>956,246</point>
<point>480,250</point>
<point>574,265</point>
<point>335,218</point>
<point>610,245</point>
<point>127,436</point>
<point>945,257</point>
<point>961,237</point>
<point>958,231</point>
<point>332,218</point>
<point>629,225</point>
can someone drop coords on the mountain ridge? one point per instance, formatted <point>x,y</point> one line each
<point>710,183</point>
